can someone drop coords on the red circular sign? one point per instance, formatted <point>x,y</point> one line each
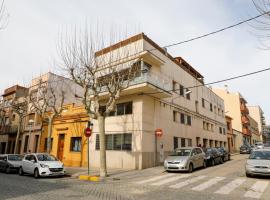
<point>159,132</point>
<point>88,132</point>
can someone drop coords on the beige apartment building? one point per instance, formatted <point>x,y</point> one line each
<point>235,107</point>
<point>33,123</point>
<point>257,114</point>
<point>158,98</point>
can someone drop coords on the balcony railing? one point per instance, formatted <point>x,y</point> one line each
<point>8,129</point>
<point>245,120</point>
<point>244,109</point>
<point>246,131</point>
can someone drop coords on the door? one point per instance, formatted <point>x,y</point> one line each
<point>60,148</point>
<point>36,143</point>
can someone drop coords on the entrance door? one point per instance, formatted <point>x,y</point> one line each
<point>36,143</point>
<point>60,149</point>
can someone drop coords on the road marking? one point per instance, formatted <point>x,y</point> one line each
<point>162,182</point>
<point>226,189</point>
<point>187,182</point>
<point>155,178</point>
<point>208,184</point>
<point>257,189</point>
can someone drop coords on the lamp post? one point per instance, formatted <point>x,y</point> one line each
<point>30,122</point>
<point>88,133</point>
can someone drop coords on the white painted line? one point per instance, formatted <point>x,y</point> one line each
<point>208,184</point>
<point>168,180</point>
<point>257,189</point>
<point>155,178</point>
<point>227,189</point>
<point>187,182</point>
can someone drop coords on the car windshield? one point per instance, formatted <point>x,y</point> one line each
<point>260,155</point>
<point>181,152</point>
<point>14,158</point>
<point>46,157</point>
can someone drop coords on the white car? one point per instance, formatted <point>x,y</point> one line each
<point>41,165</point>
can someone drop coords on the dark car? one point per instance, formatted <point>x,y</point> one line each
<point>225,155</point>
<point>212,156</point>
<point>10,162</point>
<point>245,149</point>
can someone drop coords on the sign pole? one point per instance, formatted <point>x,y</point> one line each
<point>88,156</point>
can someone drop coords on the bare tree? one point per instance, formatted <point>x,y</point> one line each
<point>19,106</point>
<point>47,99</point>
<point>2,115</point>
<point>103,75</point>
<point>263,24</point>
<point>3,15</point>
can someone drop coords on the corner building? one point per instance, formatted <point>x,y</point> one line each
<point>158,99</point>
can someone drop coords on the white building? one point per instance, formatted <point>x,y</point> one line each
<point>157,99</point>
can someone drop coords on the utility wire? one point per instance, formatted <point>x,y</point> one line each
<point>214,82</point>
<point>217,31</point>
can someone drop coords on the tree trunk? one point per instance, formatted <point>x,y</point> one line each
<point>49,138</point>
<point>102,143</point>
<point>17,137</point>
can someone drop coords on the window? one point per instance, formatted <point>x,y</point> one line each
<point>121,109</point>
<point>183,142</point>
<point>224,131</point>
<point>220,130</point>
<point>189,142</point>
<point>175,116</point>
<point>215,109</point>
<point>175,142</point>
<point>211,107</point>
<point>182,118</point>
<point>174,85</point>
<point>116,142</point>
<point>203,103</point>
<point>45,144</point>
<point>25,143</point>
<point>212,127</point>
<point>204,126</point>
<point>228,125</point>
<point>188,94</point>
<point>181,90</point>
<point>188,120</point>
<point>75,144</point>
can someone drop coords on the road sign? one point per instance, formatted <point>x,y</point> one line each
<point>88,132</point>
<point>159,132</point>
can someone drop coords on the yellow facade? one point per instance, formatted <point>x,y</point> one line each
<point>71,124</point>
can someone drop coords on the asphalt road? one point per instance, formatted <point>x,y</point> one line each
<point>226,181</point>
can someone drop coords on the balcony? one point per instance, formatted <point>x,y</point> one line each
<point>244,109</point>
<point>148,82</point>
<point>246,131</point>
<point>8,130</point>
<point>245,120</point>
<point>36,127</point>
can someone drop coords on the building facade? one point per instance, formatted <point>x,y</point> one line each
<point>10,120</point>
<point>257,114</point>
<point>230,135</point>
<point>235,106</point>
<point>69,143</point>
<point>158,98</point>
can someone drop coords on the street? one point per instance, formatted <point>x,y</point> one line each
<point>226,181</point>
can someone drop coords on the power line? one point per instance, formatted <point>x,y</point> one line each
<point>214,32</point>
<point>214,82</point>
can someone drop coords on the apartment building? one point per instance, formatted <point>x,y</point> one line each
<point>255,135</point>
<point>158,99</point>
<point>258,115</point>
<point>235,106</point>
<point>33,123</point>
<point>10,120</point>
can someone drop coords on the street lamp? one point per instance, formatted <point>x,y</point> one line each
<point>30,122</point>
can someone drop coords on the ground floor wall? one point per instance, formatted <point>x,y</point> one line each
<point>29,142</point>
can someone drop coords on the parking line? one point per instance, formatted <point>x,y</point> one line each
<point>155,178</point>
<point>208,184</point>
<point>168,180</point>
<point>257,189</point>
<point>187,182</point>
<point>226,189</point>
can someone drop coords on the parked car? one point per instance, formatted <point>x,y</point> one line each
<point>213,156</point>
<point>225,155</point>
<point>259,145</point>
<point>258,163</point>
<point>185,159</point>
<point>41,164</point>
<point>245,149</point>
<point>10,162</point>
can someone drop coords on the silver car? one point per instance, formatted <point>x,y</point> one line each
<point>185,159</point>
<point>258,163</point>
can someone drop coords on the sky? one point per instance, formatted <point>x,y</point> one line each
<point>28,43</point>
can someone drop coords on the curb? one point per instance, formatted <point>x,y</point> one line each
<point>89,178</point>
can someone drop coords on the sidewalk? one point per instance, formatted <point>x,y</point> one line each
<point>75,172</point>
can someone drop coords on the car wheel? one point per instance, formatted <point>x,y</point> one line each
<point>36,173</point>
<point>204,164</point>
<point>7,170</point>
<point>248,175</point>
<point>190,168</point>
<point>229,158</point>
<point>221,160</point>
<point>21,173</point>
